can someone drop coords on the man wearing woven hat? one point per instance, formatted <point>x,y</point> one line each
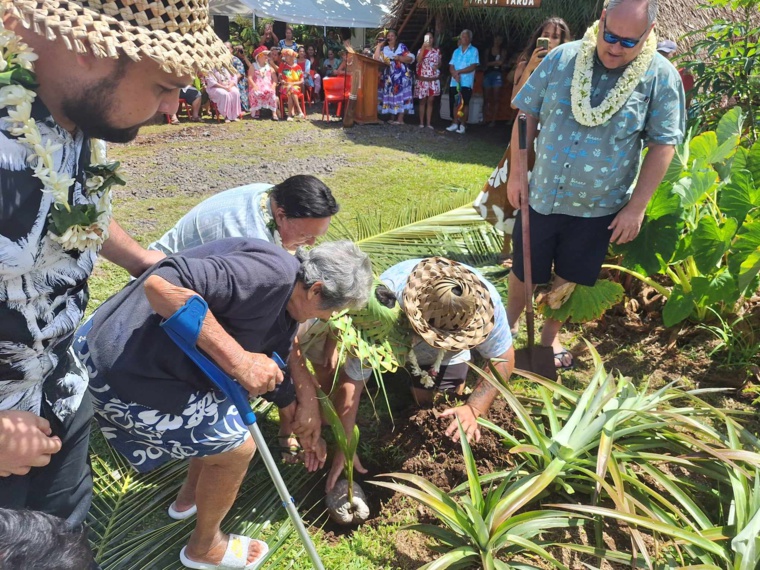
<point>72,72</point>
<point>452,309</point>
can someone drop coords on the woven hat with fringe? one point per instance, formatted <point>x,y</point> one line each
<point>174,33</point>
<point>448,305</point>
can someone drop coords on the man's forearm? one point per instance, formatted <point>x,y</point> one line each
<point>484,393</point>
<point>122,250</point>
<point>653,170</point>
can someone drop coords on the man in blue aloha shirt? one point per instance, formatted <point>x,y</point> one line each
<point>599,101</point>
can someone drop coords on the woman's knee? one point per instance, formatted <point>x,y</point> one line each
<point>242,454</point>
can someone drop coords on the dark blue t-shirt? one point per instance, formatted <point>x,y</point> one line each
<point>247,284</point>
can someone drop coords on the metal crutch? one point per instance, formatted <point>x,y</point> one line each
<point>183,327</point>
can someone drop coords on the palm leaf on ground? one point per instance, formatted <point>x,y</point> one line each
<point>130,529</point>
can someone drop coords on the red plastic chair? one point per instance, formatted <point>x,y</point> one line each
<point>183,106</point>
<point>335,90</point>
<point>284,102</point>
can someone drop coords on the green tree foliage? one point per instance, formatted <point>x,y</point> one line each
<point>725,63</point>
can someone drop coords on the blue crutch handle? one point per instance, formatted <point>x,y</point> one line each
<point>183,327</point>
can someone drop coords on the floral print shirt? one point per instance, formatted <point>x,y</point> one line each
<point>591,171</point>
<point>43,289</point>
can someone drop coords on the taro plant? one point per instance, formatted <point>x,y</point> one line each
<point>702,227</point>
<point>485,530</point>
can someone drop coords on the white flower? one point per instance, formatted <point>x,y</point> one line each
<point>98,149</point>
<point>25,59</point>
<point>19,101</point>
<point>21,113</point>
<point>94,182</point>
<point>15,95</point>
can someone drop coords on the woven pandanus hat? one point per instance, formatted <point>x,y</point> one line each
<point>174,33</point>
<point>448,305</point>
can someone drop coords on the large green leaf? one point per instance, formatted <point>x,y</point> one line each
<point>692,189</point>
<point>710,241</point>
<point>706,149</point>
<point>587,303</point>
<point>664,202</point>
<point>678,165</point>
<point>739,196</point>
<point>730,125</point>
<point>720,288</point>
<point>678,307</point>
<point>744,259</point>
<point>654,246</point>
<point>753,160</point>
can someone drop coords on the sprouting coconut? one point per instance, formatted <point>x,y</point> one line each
<point>347,508</point>
<point>346,503</point>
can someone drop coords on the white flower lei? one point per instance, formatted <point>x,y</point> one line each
<point>426,379</point>
<point>581,89</point>
<point>16,63</point>
<point>266,216</point>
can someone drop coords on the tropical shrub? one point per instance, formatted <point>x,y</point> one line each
<point>725,62</point>
<point>702,226</point>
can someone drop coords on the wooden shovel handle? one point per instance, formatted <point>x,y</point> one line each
<point>522,132</point>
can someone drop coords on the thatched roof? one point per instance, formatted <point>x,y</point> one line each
<point>677,17</point>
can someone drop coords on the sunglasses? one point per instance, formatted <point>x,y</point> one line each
<point>611,38</point>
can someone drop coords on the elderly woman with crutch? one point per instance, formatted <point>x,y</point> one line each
<point>155,404</point>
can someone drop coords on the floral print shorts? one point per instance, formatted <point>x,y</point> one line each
<point>210,424</point>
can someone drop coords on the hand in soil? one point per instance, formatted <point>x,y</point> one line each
<point>469,422</point>
<point>337,470</point>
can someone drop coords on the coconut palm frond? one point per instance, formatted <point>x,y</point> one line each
<point>364,227</point>
<point>130,529</point>
<point>460,234</point>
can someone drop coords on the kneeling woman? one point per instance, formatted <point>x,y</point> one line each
<point>153,404</point>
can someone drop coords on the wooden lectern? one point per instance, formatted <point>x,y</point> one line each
<point>364,72</point>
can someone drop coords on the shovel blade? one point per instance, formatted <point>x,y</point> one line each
<point>537,359</point>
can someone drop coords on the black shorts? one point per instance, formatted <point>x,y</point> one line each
<point>449,378</point>
<point>283,395</point>
<point>575,246</point>
<point>190,94</point>
<point>466,95</point>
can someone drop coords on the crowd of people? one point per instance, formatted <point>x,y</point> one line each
<point>249,253</point>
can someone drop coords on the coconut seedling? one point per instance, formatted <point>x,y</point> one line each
<point>346,503</point>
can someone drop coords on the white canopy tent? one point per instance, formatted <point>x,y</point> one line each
<point>334,13</point>
<point>229,8</point>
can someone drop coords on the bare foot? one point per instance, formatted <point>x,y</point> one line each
<point>215,554</point>
<point>290,450</point>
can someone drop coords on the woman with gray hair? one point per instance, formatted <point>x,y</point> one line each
<point>153,404</point>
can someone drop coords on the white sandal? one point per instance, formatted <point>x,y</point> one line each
<point>181,515</point>
<point>235,556</point>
